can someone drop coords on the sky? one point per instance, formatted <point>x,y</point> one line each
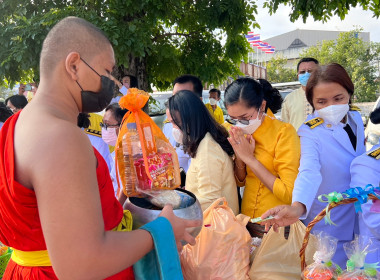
<point>280,23</point>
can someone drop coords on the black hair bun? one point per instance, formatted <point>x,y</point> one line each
<point>375,116</point>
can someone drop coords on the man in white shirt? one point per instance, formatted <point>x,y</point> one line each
<point>295,107</point>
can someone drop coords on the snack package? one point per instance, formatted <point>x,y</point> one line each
<point>145,159</point>
<point>356,252</point>
<point>322,268</point>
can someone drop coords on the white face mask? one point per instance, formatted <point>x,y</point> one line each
<point>252,126</point>
<point>109,135</point>
<point>213,101</point>
<point>177,135</point>
<point>334,113</point>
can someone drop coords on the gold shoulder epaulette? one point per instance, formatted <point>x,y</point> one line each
<point>166,121</point>
<point>314,122</point>
<point>375,153</point>
<point>95,121</point>
<point>93,132</point>
<point>354,108</point>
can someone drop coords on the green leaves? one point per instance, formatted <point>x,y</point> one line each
<point>172,37</point>
<point>322,10</point>
<point>169,37</point>
<point>359,58</point>
<point>278,72</point>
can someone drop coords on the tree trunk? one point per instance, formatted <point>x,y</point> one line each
<point>136,68</point>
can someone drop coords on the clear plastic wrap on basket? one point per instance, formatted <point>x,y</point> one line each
<point>146,161</point>
<point>322,268</point>
<point>356,252</point>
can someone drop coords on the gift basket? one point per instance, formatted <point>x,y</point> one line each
<point>144,157</point>
<point>357,269</point>
<point>322,268</point>
<point>356,195</point>
<point>149,172</point>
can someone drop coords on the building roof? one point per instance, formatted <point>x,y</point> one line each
<point>306,38</point>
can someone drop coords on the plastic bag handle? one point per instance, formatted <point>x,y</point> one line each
<point>281,232</point>
<point>220,202</point>
<point>243,219</point>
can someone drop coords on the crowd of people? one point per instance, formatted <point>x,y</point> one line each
<point>59,190</point>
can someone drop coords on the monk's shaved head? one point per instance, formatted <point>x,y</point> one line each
<point>71,34</point>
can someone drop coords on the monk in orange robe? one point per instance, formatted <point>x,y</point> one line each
<point>57,203</point>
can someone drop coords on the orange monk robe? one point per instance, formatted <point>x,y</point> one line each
<point>21,228</point>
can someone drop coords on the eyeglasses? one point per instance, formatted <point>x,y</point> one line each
<point>304,71</point>
<point>234,122</point>
<point>105,126</point>
<point>244,122</point>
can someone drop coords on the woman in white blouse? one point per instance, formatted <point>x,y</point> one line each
<point>210,175</point>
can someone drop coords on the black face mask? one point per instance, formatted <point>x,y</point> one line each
<point>97,101</point>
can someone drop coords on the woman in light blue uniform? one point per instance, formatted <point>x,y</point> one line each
<point>365,169</point>
<point>331,138</point>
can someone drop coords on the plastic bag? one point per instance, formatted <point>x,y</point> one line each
<point>322,268</point>
<point>145,159</point>
<point>357,269</point>
<point>278,258</point>
<point>222,247</point>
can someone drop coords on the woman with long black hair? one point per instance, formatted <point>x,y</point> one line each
<point>210,175</point>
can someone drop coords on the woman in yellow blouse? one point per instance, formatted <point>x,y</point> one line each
<point>267,150</point>
<point>211,173</point>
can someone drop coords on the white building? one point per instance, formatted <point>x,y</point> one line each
<point>291,44</point>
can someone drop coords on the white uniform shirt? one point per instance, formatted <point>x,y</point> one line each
<point>184,159</point>
<point>116,99</point>
<point>326,156</point>
<point>102,148</point>
<point>114,174</point>
<point>366,170</point>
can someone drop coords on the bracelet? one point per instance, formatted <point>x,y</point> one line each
<point>239,167</point>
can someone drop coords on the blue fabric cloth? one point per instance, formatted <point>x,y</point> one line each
<point>162,263</point>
